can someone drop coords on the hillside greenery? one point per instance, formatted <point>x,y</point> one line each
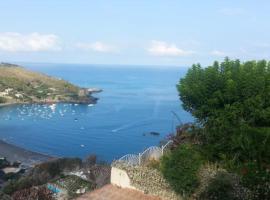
<point>29,86</point>
<point>230,102</point>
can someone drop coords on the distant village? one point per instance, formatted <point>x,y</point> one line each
<point>9,92</point>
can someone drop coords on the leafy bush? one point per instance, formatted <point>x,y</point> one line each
<point>206,173</point>
<point>33,194</point>
<point>228,92</point>
<point>4,196</point>
<point>56,167</point>
<point>180,168</point>
<point>230,101</point>
<point>2,100</point>
<point>224,186</point>
<point>153,163</point>
<point>43,173</point>
<point>256,179</point>
<point>225,97</point>
<point>22,183</point>
<point>4,163</point>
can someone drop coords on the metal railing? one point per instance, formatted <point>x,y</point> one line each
<point>151,153</point>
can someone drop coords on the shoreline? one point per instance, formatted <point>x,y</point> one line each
<point>10,104</point>
<point>91,101</point>
<point>26,157</point>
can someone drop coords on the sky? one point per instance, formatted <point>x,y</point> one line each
<point>138,32</point>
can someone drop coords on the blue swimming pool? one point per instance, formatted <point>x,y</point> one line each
<point>53,188</point>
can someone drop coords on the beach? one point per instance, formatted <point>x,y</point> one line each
<point>14,153</point>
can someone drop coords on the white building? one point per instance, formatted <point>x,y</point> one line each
<point>8,90</point>
<point>3,94</point>
<point>19,95</point>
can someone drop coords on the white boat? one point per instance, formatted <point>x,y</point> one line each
<point>53,107</point>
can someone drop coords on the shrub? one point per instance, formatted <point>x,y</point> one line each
<point>22,183</point>
<point>33,193</point>
<point>206,173</point>
<point>43,173</point>
<point>180,168</point>
<point>90,160</point>
<point>224,186</point>
<point>152,163</point>
<point>231,102</point>
<point>256,179</point>
<point>4,163</point>
<point>56,167</point>
<point>4,196</point>
<point>2,100</point>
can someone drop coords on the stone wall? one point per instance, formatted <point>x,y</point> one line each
<point>120,178</point>
<point>146,179</point>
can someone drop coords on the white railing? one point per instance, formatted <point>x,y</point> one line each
<point>151,153</point>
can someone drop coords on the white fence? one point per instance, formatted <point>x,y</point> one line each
<point>151,153</point>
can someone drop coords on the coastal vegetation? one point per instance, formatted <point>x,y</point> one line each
<point>18,85</point>
<point>72,176</point>
<point>225,154</point>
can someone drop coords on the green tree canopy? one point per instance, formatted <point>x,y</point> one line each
<point>228,93</point>
<point>231,102</point>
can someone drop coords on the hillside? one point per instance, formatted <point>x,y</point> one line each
<point>19,85</point>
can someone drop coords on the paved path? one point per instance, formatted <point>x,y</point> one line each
<point>110,192</point>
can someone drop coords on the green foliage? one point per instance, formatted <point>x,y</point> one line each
<point>36,87</point>
<point>256,179</point>
<point>2,100</point>
<point>56,167</point>
<point>4,163</point>
<point>231,102</point>
<point>252,144</point>
<point>4,196</point>
<point>43,173</point>
<point>228,94</point>
<point>154,164</point>
<point>180,168</point>
<point>22,183</point>
<point>71,183</point>
<point>222,187</point>
<point>10,176</point>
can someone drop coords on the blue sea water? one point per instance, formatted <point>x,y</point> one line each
<point>134,102</point>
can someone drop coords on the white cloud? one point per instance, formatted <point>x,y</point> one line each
<point>232,11</point>
<point>96,46</point>
<point>16,42</point>
<point>218,53</point>
<point>160,48</point>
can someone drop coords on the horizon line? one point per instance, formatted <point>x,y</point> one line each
<point>97,64</point>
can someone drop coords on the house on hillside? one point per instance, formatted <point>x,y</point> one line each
<point>83,92</point>
<point>18,95</point>
<point>6,92</point>
<point>3,94</point>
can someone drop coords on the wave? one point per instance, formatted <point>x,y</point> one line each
<point>134,124</point>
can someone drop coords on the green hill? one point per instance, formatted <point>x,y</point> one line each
<point>19,85</point>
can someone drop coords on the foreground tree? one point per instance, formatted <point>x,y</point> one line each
<point>231,100</point>
<point>229,92</point>
<point>231,104</point>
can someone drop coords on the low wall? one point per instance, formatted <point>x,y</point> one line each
<point>120,178</point>
<point>144,179</point>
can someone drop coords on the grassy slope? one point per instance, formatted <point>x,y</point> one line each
<point>36,87</point>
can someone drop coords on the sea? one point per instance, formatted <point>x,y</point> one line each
<point>135,102</point>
